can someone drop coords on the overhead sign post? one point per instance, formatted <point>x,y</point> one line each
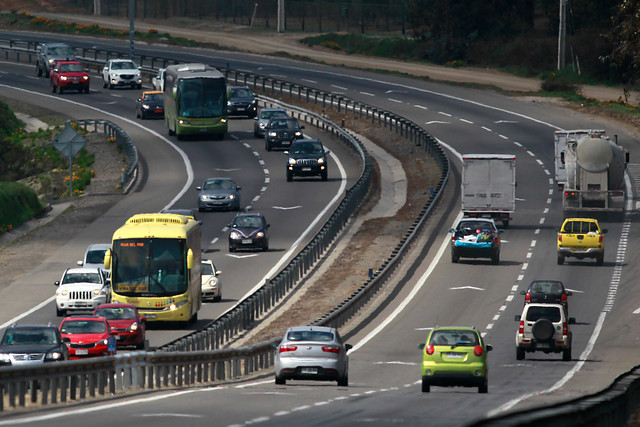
<point>68,143</point>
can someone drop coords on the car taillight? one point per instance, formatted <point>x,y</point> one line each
<point>521,328</point>
<point>331,349</point>
<point>564,298</point>
<point>477,350</point>
<point>527,297</point>
<point>560,238</point>
<point>564,328</point>
<point>284,348</point>
<point>453,238</point>
<point>600,239</point>
<point>496,240</point>
<point>429,349</point>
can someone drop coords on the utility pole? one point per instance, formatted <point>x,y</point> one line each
<point>281,16</point>
<point>132,31</point>
<point>562,34</point>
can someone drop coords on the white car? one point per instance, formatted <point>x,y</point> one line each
<point>81,289</point>
<point>121,72</point>
<point>94,256</point>
<point>158,80</point>
<point>211,283</point>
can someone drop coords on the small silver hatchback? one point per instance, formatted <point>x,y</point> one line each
<point>312,353</point>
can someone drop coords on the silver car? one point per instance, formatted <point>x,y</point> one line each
<point>263,118</point>
<point>218,193</point>
<point>312,353</point>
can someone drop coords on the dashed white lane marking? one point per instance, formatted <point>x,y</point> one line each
<point>486,128</point>
<point>395,100</point>
<point>466,121</point>
<point>421,107</point>
<point>366,93</point>
<point>444,114</point>
<point>530,153</point>
<point>340,87</point>
<point>215,239</point>
<point>310,81</point>
<point>503,137</point>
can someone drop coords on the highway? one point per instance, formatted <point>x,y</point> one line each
<point>384,365</point>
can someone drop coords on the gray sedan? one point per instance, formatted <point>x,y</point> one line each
<point>263,118</point>
<point>218,193</point>
<point>312,353</point>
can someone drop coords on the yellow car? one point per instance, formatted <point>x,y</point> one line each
<point>455,357</point>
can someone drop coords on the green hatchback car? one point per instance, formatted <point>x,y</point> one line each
<point>455,357</point>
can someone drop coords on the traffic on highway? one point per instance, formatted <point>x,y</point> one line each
<point>442,329</point>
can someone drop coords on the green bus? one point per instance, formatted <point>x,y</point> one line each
<point>195,100</point>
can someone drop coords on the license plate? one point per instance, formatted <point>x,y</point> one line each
<point>217,203</point>
<point>158,111</point>
<point>81,304</point>
<point>309,370</point>
<point>150,316</point>
<point>246,241</point>
<point>82,351</point>
<point>306,169</point>
<point>542,345</point>
<point>454,355</point>
<point>240,108</point>
<point>120,338</point>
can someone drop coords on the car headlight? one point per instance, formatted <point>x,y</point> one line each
<point>85,77</point>
<point>298,133</point>
<point>145,106</point>
<point>177,305</point>
<point>232,196</point>
<point>103,342</point>
<point>260,234</point>
<point>50,60</point>
<point>63,77</point>
<point>229,103</point>
<point>183,122</point>
<point>96,291</point>
<point>62,293</point>
<point>53,355</point>
<point>272,134</point>
<point>133,327</point>
<point>234,235</point>
<point>139,74</point>
<point>254,101</point>
<point>261,125</point>
<point>292,161</point>
<point>5,358</point>
<point>114,75</point>
<point>320,161</point>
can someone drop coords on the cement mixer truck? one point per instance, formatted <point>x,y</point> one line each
<point>595,167</point>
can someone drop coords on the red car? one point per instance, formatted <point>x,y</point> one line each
<point>87,336</point>
<point>68,75</point>
<point>126,322</point>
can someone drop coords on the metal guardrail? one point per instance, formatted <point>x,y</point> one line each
<point>60,382</point>
<point>116,134</point>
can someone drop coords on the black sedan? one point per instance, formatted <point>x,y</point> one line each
<point>150,104</point>
<point>248,231</point>
<point>551,291</point>
<point>281,132</point>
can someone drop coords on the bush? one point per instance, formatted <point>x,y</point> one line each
<point>555,82</point>
<point>19,204</point>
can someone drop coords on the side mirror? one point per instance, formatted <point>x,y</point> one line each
<point>572,320</point>
<point>80,263</point>
<point>189,259</point>
<point>174,93</point>
<point>218,272</point>
<point>114,332</point>
<point>139,99</point>
<point>421,346</point>
<point>517,317</point>
<point>302,127</point>
<point>238,187</point>
<point>348,347</point>
<point>452,230</point>
<point>286,152</point>
<point>66,340</point>
<point>604,231</point>
<point>198,188</point>
<point>56,283</point>
<point>143,319</point>
<point>107,259</point>
<point>523,292</point>
<point>327,151</point>
<point>55,70</point>
<point>268,225</point>
<point>489,347</point>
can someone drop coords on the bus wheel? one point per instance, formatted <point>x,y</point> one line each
<point>194,318</point>
<point>171,133</point>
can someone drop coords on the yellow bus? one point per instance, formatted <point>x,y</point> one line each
<point>155,265</point>
<point>195,100</point>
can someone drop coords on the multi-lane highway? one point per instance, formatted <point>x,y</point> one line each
<point>384,364</point>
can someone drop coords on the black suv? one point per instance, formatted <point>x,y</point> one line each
<point>32,344</point>
<point>307,157</point>
<point>281,132</point>
<point>49,53</point>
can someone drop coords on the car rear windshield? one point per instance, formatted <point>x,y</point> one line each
<point>116,313</point>
<point>454,337</point>
<point>310,336</point>
<point>554,288</point>
<point>580,227</point>
<point>537,312</point>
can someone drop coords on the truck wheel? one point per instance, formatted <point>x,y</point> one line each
<point>505,223</point>
<point>560,259</point>
<point>519,353</point>
<point>566,355</point>
<point>600,259</point>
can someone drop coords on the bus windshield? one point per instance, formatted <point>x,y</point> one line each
<point>149,267</point>
<point>201,98</point>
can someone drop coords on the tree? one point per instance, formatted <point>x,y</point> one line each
<point>625,42</point>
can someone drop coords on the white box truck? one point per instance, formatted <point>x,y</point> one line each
<point>489,186</point>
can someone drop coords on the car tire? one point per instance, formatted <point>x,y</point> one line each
<point>53,88</point>
<point>289,176</point>
<point>60,313</point>
<point>110,86</point>
<point>104,84</point>
<point>344,381</point>
<point>496,258</point>
<point>232,249</point>
<point>267,146</point>
<point>454,257</point>
<point>426,388</point>
<point>60,90</point>
<point>566,355</point>
<point>266,248</point>
<point>324,175</point>
<point>543,330</point>
<point>86,90</point>
<point>280,380</point>
<point>139,86</point>
<point>600,259</point>
<point>484,387</point>
<point>140,346</point>
<point>38,70</point>
<point>519,353</point>
<point>560,259</point>
<point>218,298</point>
